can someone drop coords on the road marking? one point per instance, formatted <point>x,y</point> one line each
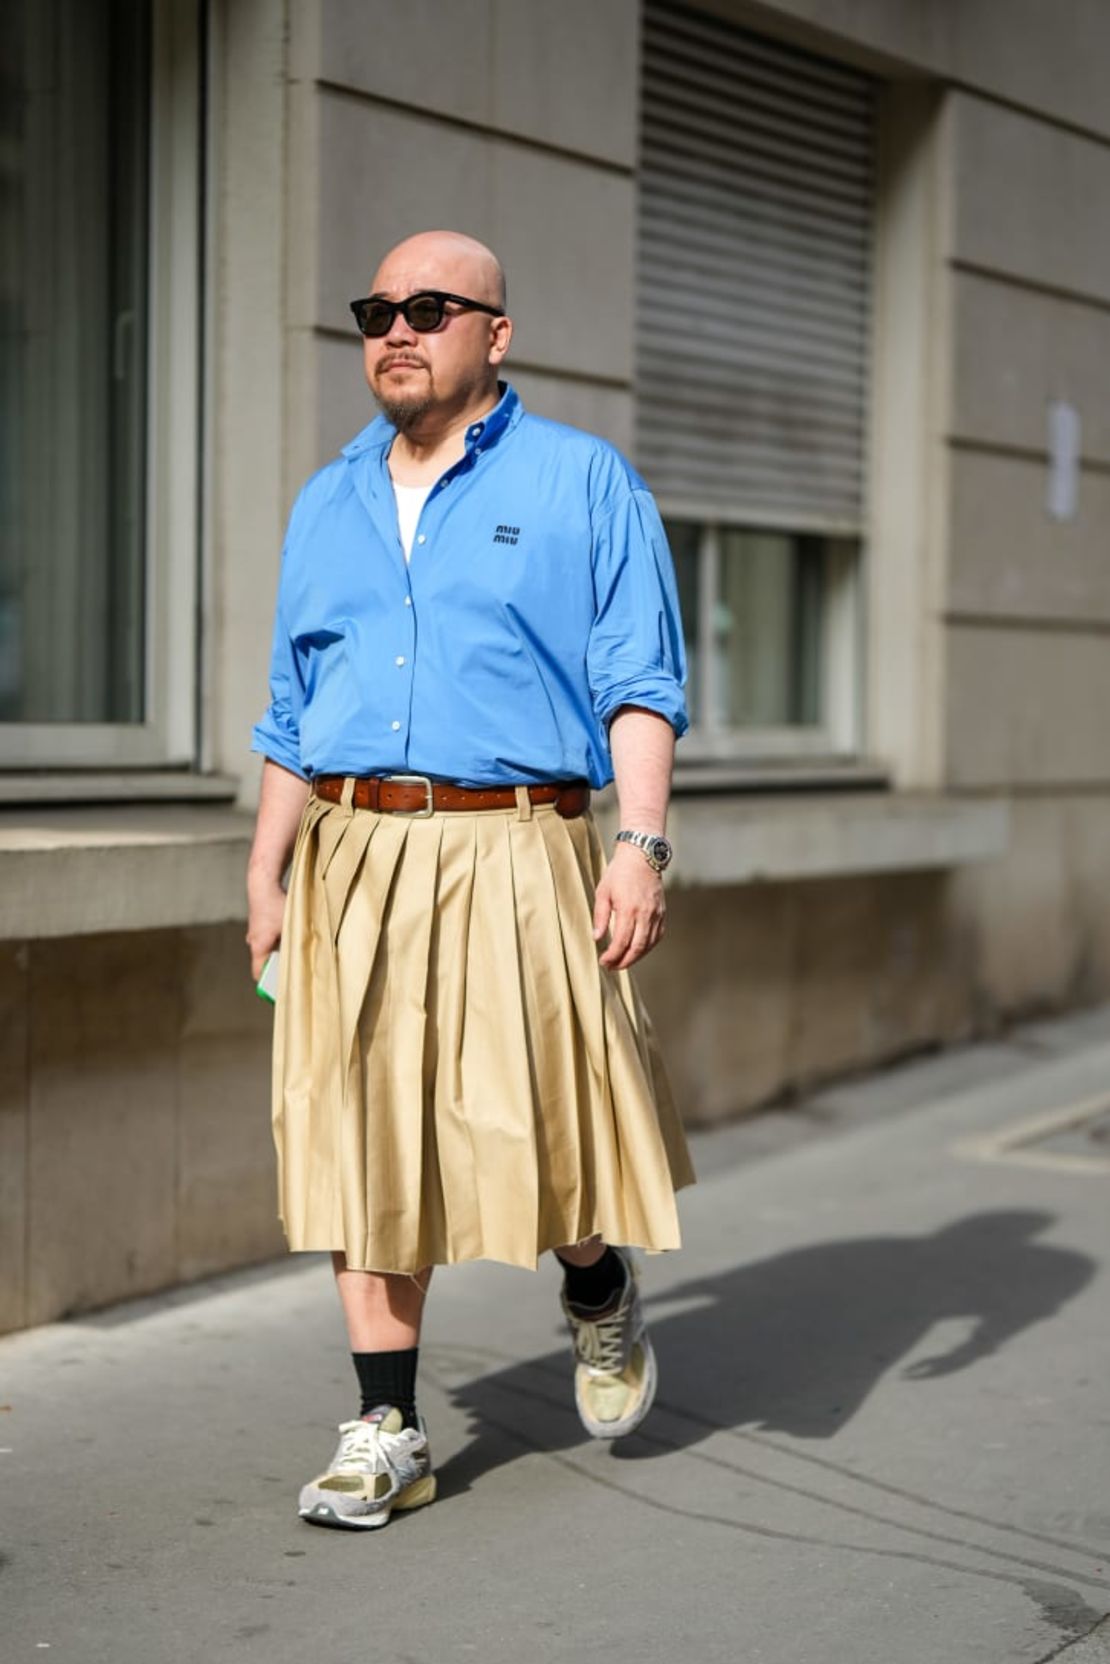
<point>1017,1143</point>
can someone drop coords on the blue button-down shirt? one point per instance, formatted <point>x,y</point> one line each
<point>539,598</point>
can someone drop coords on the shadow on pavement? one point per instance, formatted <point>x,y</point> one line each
<point>794,1344</point>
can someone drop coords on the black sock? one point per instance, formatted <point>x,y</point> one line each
<point>593,1287</point>
<point>388,1378</point>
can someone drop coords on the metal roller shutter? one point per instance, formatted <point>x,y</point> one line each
<point>756,179</point>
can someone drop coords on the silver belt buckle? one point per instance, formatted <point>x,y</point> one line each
<point>415,814</point>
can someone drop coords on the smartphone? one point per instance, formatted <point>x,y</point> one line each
<point>267,985</point>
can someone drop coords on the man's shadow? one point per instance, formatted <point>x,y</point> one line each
<point>794,1344</point>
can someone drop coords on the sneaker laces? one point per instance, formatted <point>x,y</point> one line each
<point>362,1449</point>
<point>600,1342</point>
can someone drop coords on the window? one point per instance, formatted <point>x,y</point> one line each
<point>770,621</point>
<point>98,398</point>
<point>755,236</point>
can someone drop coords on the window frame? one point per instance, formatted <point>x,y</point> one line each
<point>167,736</point>
<point>839,736</point>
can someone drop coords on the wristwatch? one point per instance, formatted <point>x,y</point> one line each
<point>656,849</point>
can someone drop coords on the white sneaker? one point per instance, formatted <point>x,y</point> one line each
<point>379,1465</point>
<point>616,1373</point>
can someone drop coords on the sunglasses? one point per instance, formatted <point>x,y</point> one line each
<point>423,312</point>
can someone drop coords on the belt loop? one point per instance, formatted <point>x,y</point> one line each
<point>523,803</point>
<point>347,795</point>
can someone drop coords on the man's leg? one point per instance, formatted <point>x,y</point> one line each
<point>382,1461</point>
<point>383,1312</point>
<point>615,1373</point>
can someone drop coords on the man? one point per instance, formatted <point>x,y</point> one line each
<point>476,622</point>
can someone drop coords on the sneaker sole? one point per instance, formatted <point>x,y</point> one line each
<point>416,1495</point>
<point>619,1429</point>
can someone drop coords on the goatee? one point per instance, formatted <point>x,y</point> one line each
<point>405,414</point>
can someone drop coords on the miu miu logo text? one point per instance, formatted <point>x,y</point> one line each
<point>506,534</point>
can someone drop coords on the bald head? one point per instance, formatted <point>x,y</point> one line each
<point>447,260</point>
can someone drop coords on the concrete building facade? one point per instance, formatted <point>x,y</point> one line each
<point>912,849</point>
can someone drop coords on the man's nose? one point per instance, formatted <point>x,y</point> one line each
<point>400,333</point>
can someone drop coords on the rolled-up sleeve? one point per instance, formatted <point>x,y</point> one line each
<point>635,654</point>
<point>278,734</point>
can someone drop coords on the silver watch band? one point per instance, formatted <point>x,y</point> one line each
<point>646,843</point>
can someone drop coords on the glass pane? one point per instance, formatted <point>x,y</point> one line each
<point>768,630</point>
<point>73,257</point>
<point>685,542</point>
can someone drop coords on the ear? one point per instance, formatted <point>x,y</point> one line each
<point>500,334</point>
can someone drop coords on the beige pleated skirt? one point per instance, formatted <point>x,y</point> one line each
<point>455,1076</point>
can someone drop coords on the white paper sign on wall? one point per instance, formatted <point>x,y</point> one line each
<point>1064,436</point>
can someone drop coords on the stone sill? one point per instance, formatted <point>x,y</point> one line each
<point>66,786</point>
<point>749,839</point>
<point>77,872</point>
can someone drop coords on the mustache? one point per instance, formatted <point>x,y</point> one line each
<point>395,359</point>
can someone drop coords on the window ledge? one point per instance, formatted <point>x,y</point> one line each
<point>74,872</point>
<point>774,837</point>
<point>747,775</point>
<point>758,839</point>
<point>122,786</point>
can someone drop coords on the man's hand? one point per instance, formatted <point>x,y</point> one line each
<point>265,913</point>
<point>630,905</point>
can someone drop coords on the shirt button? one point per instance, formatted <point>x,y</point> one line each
<point>475,432</point>
<point>400,659</point>
<point>443,483</point>
<point>422,538</point>
<point>395,726</point>
<point>408,600</point>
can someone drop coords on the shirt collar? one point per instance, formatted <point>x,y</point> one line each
<point>504,416</point>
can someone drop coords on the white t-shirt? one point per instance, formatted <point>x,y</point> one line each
<point>410,500</point>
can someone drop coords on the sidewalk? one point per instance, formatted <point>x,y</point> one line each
<point>882,1435</point>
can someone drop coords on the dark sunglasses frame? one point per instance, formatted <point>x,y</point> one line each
<point>440,297</point>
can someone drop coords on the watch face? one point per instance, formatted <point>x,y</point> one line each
<point>661,851</point>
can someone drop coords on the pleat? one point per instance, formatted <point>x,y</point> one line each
<point>305,1001</point>
<point>634,1181</point>
<point>495,1074</point>
<point>385,1201</point>
<point>446,1116</point>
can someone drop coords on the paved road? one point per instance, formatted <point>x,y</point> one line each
<point>882,1436</point>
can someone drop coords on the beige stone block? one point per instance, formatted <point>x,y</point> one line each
<point>383,174</point>
<point>1027,707</point>
<point>1008,559</point>
<point>14,1088</point>
<point>226,1185</point>
<point>1087,852</point>
<point>876,973</point>
<point>566,235</point>
<point>1025,196</point>
<point>101,1189</point>
<point>562,75</point>
<point>342,403</point>
<point>1021,915</point>
<point>718,990</point>
<point>432,56</point>
<point>1047,57</point>
<point>563,229</point>
<point>1015,351</point>
<point>568,74</point>
<point>837,948</point>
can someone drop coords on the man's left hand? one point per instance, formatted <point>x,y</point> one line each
<point>630,905</point>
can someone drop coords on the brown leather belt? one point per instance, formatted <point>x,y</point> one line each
<point>416,794</point>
